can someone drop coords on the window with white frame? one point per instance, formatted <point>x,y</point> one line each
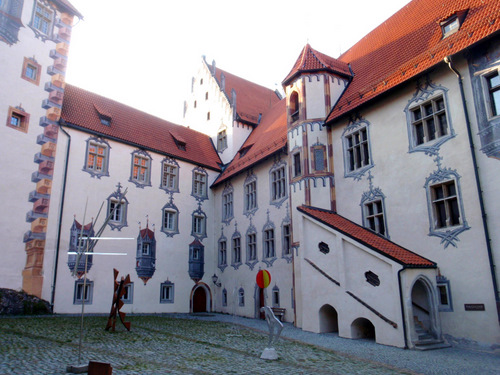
<point>128,296</point>
<point>141,166</point>
<point>221,140</point>
<point>199,225</point>
<point>170,176</point>
<point>83,292</point>
<point>269,250</point>
<point>146,248</point>
<point>170,220</point>
<point>96,160</point>
<point>445,205</point>
<point>278,183</point>
<point>493,86</point>
<point>199,184</point>
<point>358,153</point>
<point>116,210</point>
<point>227,204</point>
<point>236,251</point>
<point>444,293</point>
<point>251,194</point>
<point>43,19</point>
<point>429,121</point>
<point>374,216</point>
<point>251,247</point>
<point>167,292</point>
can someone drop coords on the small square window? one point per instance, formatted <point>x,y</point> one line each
<point>128,296</point>
<point>83,292</point>
<point>31,71</point>
<point>18,119</point>
<point>167,292</point>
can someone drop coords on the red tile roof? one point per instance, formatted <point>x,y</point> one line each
<point>251,99</point>
<point>80,111</point>
<point>368,238</point>
<point>409,43</point>
<point>310,61</point>
<point>266,139</point>
<point>69,7</point>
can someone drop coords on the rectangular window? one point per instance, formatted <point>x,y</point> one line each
<point>493,82</point>
<point>227,205</point>
<point>31,70</point>
<point>167,292</point>
<point>297,168</point>
<point>146,248</point>
<point>18,119</point>
<point>116,211</point>
<point>169,220</point>
<point>252,246</point>
<point>42,19</point>
<point>96,157</point>
<point>269,243</point>
<point>140,171</point>
<point>358,149</point>
<point>241,297</point>
<point>319,158</point>
<point>278,184</point>
<point>287,240</point>
<point>276,298</point>
<point>83,293</point>
<point>128,297</point>
<point>222,253</point>
<point>199,184</point>
<point>429,121</point>
<point>221,140</point>
<point>236,250</point>
<point>199,224</point>
<point>251,196</point>
<point>445,208</point>
<point>444,295</point>
<point>169,177</point>
<point>224,297</point>
<point>374,216</point>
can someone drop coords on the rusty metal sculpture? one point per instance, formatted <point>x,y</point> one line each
<point>118,303</point>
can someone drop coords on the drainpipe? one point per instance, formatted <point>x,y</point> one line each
<point>447,60</point>
<point>402,308</point>
<point>63,193</point>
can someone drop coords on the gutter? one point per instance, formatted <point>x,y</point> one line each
<point>447,61</point>
<point>402,308</point>
<point>59,220</point>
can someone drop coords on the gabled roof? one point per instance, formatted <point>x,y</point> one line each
<point>368,238</point>
<point>266,139</point>
<point>409,43</point>
<point>69,7</point>
<point>311,61</point>
<point>81,110</point>
<point>251,98</point>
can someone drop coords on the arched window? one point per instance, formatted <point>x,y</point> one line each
<point>294,106</point>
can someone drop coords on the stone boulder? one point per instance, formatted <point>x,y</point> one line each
<point>21,303</point>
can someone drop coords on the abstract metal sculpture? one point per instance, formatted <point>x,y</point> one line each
<point>117,303</point>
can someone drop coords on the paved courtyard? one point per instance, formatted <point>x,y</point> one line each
<point>212,344</point>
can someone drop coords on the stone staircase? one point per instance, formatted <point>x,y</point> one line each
<point>426,340</point>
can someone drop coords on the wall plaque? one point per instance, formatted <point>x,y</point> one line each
<point>474,307</point>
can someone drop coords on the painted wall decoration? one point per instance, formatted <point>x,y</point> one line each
<point>196,260</point>
<point>10,20</point>
<point>78,235</point>
<point>145,265</point>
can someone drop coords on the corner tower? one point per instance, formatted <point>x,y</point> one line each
<point>312,88</point>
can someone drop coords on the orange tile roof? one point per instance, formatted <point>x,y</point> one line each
<point>80,111</point>
<point>266,139</point>
<point>310,61</point>
<point>409,43</point>
<point>368,238</point>
<point>251,99</point>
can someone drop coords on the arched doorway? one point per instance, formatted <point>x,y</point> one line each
<point>362,328</point>
<point>424,310</point>
<point>200,299</point>
<point>328,319</point>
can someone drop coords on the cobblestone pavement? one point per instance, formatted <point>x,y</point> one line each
<point>176,345</point>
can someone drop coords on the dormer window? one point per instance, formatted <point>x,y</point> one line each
<point>452,24</point>
<point>104,116</point>
<point>105,120</point>
<point>179,141</point>
<point>244,150</point>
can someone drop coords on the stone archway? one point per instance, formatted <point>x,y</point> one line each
<point>362,328</point>
<point>201,298</point>
<point>328,319</point>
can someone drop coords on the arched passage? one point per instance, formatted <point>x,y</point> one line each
<point>201,298</point>
<point>424,309</point>
<point>328,319</point>
<point>362,328</point>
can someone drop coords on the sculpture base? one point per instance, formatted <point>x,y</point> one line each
<point>269,354</point>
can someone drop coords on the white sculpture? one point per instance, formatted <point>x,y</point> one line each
<point>275,328</point>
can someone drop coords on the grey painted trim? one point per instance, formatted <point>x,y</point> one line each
<point>170,161</point>
<point>145,155</point>
<point>118,197</point>
<point>172,297</point>
<point>171,207</point>
<point>355,125</point>
<point>425,92</point>
<point>276,166</point>
<point>105,171</point>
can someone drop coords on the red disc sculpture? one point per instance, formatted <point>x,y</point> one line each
<point>263,279</point>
